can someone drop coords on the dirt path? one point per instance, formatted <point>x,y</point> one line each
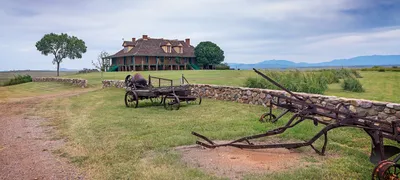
<point>26,145</point>
<point>235,163</point>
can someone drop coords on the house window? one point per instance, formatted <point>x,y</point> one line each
<point>147,59</point>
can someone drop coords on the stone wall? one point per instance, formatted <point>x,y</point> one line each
<point>76,82</point>
<point>365,108</point>
<point>113,83</point>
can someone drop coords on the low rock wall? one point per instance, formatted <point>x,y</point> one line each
<point>366,108</point>
<point>113,83</point>
<point>76,82</point>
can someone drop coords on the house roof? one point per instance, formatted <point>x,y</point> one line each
<point>152,47</point>
<point>128,43</point>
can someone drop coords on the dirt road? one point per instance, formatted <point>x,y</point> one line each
<point>26,145</point>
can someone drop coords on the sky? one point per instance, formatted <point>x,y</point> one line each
<point>248,31</point>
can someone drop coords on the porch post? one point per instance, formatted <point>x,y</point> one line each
<point>164,63</point>
<point>156,63</point>
<point>142,64</point>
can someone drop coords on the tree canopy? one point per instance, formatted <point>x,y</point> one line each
<point>61,47</point>
<point>208,53</point>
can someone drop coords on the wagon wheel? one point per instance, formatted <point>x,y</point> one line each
<point>131,99</point>
<point>128,80</point>
<point>171,102</point>
<point>156,100</point>
<point>386,170</point>
<point>267,117</point>
<point>196,101</point>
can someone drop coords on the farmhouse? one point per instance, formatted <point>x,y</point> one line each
<point>154,54</point>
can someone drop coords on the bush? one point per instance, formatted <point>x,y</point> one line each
<point>84,70</point>
<point>333,75</point>
<point>352,84</point>
<point>18,79</point>
<point>222,67</point>
<point>356,73</point>
<point>297,81</point>
<point>381,70</point>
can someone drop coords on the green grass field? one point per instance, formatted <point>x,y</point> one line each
<point>4,76</point>
<point>109,141</point>
<point>232,78</point>
<point>380,86</point>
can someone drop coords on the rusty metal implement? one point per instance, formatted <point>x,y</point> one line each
<point>302,109</point>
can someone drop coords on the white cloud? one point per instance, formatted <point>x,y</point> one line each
<point>248,31</point>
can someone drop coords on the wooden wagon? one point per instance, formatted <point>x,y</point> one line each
<point>169,96</point>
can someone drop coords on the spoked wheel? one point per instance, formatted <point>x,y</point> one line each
<point>156,100</point>
<point>131,99</point>
<point>386,170</point>
<point>267,117</point>
<point>195,101</point>
<point>171,102</point>
<point>128,80</point>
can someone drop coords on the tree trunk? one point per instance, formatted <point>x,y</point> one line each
<point>58,69</point>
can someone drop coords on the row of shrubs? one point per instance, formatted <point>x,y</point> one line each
<point>308,81</point>
<point>223,66</point>
<point>382,69</point>
<point>18,79</point>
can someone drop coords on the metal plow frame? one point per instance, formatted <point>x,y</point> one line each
<point>304,109</point>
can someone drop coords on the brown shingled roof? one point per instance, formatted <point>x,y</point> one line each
<point>152,47</point>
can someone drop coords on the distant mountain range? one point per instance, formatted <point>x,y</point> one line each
<point>375,60</point>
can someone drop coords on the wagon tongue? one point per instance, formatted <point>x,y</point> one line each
<point>389,151</point>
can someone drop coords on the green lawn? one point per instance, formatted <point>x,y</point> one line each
<point>34,89</point>
<point>4,76</point>
<point>110,141</point>
<point>379,86</point>
<point>232,78</point>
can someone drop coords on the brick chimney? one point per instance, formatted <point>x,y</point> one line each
<point>133,39</point>
<point>145,37</point>
<point>187,40</point>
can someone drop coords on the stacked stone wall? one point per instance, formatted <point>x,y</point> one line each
<point>76,82</point>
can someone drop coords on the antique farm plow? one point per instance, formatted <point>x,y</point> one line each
<point>302,109</point>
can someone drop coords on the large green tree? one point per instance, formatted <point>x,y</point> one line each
<point>208,53</point>
<point>61,46</point>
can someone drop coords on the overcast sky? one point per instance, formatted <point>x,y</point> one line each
<point>249,31</point>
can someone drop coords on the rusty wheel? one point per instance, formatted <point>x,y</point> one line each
<point>128,80</point>
<point>171,102</point>
<point>267,117</point>
<point>386,170</point>
<point>131,99</point>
